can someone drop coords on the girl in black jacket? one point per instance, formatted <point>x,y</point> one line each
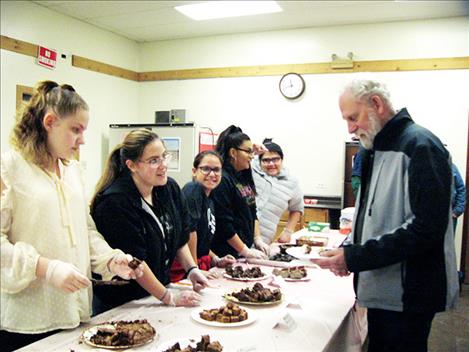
<point>235,203</point>
<point>139,209</point>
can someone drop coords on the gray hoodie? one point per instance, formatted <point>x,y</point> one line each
<point>274,195</point>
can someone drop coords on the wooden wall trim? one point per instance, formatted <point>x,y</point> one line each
<point>92,65</point>
<point>452,63</point>
<point>18,46</point>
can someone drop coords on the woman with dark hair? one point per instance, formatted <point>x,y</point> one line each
<point>49,244</point>
<point>206,172</point>
<point>139,208</point>
<point>277,191</point>
<point>235,203</point>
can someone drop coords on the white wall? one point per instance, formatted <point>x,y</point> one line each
<point>111,99</point>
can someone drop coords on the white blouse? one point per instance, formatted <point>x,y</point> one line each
<point>44,215</point>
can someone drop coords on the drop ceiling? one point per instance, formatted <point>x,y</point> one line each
<point>147,21</point>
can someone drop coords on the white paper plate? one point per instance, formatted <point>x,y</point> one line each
<point>266,276</point>
<point>251,319</point>
<point>91,331</point>
<point>233,299</point>
<point>303,279</point>
<point>299,252</point>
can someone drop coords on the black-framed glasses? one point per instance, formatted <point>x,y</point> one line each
<point>156,162</point>
<point>206,170</point>
<point>249,151</point>
<point>274,160</point>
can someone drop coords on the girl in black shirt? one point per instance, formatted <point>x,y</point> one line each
<point>206,173</point>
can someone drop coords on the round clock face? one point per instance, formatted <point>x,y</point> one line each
<point>292,85</point>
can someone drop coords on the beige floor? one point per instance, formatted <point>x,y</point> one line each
<point>450,330</point>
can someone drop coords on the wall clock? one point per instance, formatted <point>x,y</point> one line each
<point>291,85</point>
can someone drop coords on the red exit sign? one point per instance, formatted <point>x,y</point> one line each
<point>46,57</point>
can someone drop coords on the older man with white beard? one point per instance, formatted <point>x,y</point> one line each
<point>401,249</point>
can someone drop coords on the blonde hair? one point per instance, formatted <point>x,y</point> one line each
<point>131,148</point>
<point>29,137</point>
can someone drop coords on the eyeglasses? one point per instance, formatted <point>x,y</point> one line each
<point>157,162</point>
<point>206,170</point>
<point>274,160</point>
<point>249,151</point>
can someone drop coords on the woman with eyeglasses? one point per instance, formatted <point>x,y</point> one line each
<point>277,191</point>
<point>137,207</point>
<point>235,199</point>
<point>206,172</point>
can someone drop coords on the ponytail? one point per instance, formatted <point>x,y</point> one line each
<point>112,169</point>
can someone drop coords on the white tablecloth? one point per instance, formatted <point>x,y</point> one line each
<point>322,309</point>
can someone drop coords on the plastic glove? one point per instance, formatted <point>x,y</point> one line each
<point>212,274</point>
<point>184,298</point>
<point>199,281</point>
<point>252,253</point>
<point>119,265</point>
<point>65,276</point>
<point>261,245</point>
<point>223,261</point>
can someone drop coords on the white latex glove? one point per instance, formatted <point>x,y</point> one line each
<point>212,274</point>
<point>252,253</point>
<point>223,261</point>
<point>65,276</point>
<point>261,245</point>
<point>184,298</point>
<point>199,281</point>
<point>119,265</point>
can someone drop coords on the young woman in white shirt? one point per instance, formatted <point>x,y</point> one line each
<point>49,244</point>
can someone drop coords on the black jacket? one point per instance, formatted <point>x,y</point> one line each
<point>202,216</point>
<point>120,218</point>
<point>235,210</point>
<point>403,246</point>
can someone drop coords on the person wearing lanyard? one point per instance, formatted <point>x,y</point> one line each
<point>139,208</point>
<point>49,243</point>
<point>235,203</point>
<point>206,172</point>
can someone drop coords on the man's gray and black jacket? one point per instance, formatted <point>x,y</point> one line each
<point>402,240</point>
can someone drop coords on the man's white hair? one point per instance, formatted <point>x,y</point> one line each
<point>363,90</point>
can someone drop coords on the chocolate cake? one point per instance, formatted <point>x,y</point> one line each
<point>239,273</point>
<point>231,313</point>
<point>124,333</point>
<point>258,294</point>
<point>134,263</point>
<point>203,346</point>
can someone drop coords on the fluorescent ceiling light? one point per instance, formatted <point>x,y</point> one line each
<point>222,9</point>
